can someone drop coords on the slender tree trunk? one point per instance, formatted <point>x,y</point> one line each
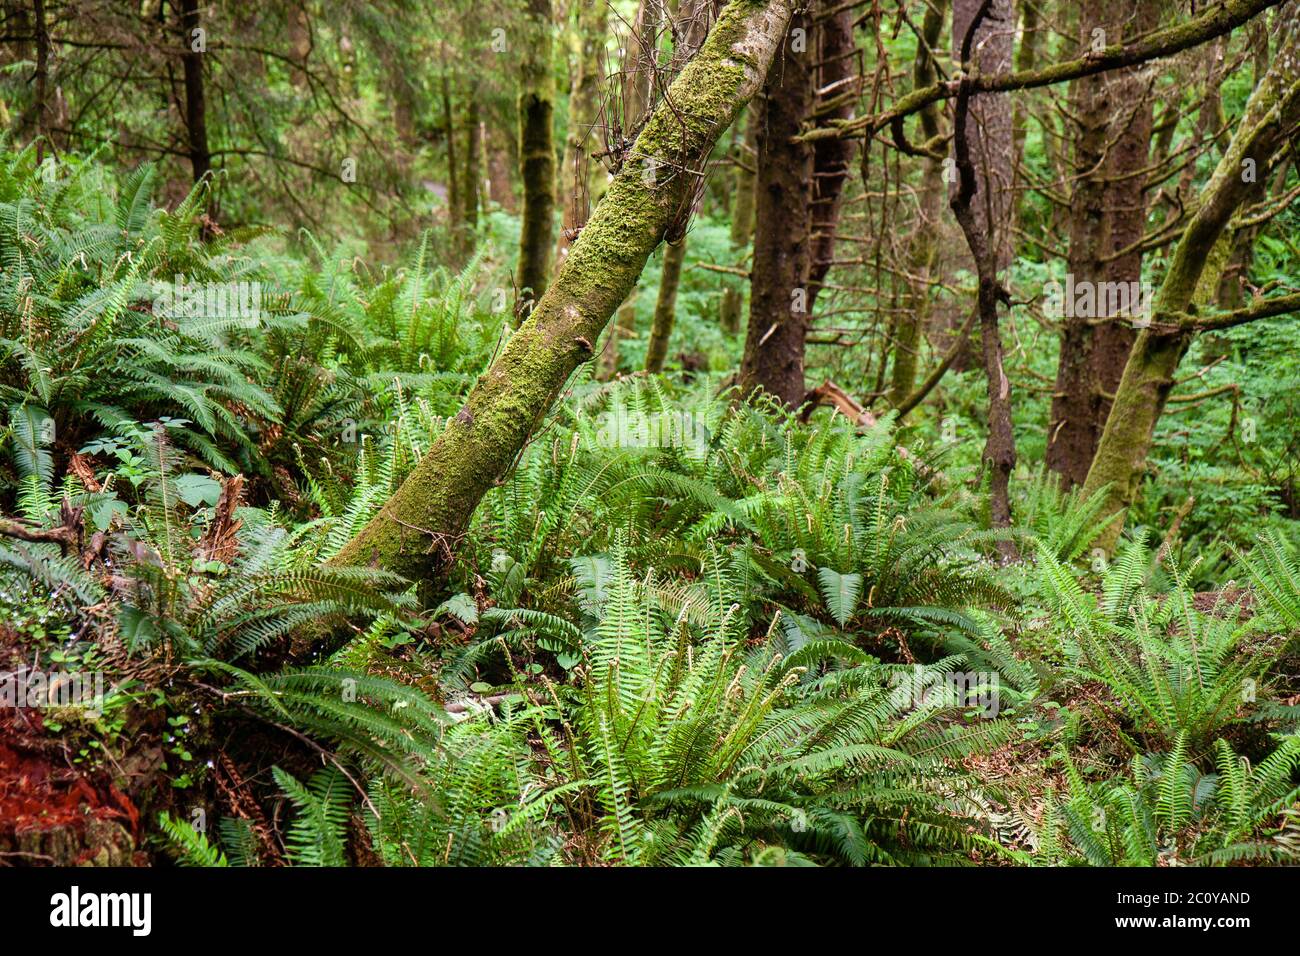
<point>661,329</point>
<point>980,223</point>
<point>196,119</point>
<point>536,157</point>
<point>584,109</point>
<point>921,255</point>
<point>454,206</point>
<point>742,218</point>
<point>831,157</point>
<point>778,290</point>
<point>473,169</point>
<point>989,134</point>
<point>639,67</point>
<point>416,529</point>
<point>42,77</point>
<point>1271,114</point>
<point>500,163</point>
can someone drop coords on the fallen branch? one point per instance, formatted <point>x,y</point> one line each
<point>831,395</point>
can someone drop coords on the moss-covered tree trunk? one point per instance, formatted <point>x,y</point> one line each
<point>536,154</point>
<point>742,218</point>
<point>661,329</point>
<point>420,525</point>
<point>1271,115</point>
<point>778,289</point>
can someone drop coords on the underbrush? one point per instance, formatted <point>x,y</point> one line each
<point>684,630</point>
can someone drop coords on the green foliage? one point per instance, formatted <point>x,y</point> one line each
<point>1171,811</point>
<point>317,836</point>
<point>1175,671</point>
<point>188,845</point>
<point>679,744</point>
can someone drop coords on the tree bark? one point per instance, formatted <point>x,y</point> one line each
<point>986,247</point>
<point>778,291</point>
<point>417,528</point>
<point>742,219</point>
<point>1126,206</point>
<point>473,170</point>
<point>454,205</point>
<point>1271,115</point>
<point>661,329</point>
<point>921,254</point>
<point>1073,428</point>
<point>536,156</point>
<point>831,157</point>
<point>1026,59</point>
<point>989,133</point>
<point>639,69</point>
<point>584,108</point>
<point>196,119</point>
<point>41,77</point>
<point>1107,216</point>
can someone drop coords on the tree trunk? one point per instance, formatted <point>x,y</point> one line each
<point>584,109</point>
<point>831,157</point>
<point>500,162</point>
<point>196,120</point>
<point>536,157</point>
<point>778,290</point>
<point>1126,205</point>
<point>742,219</point>
<point>984,224</point>
<point>1107,215</point>
<point>1026,59</point>
<point>473,170</point>
<point>661,329</point>
<point>1073,427</point>
<point>417,528</point>
<point>42,78</point>
<point>454,207</point>
<point>639,67</point>
<point>1271,114</point>
<point>921,255</point>
<point>990,135</point>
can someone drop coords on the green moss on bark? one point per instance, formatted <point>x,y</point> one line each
<point>419,526</point>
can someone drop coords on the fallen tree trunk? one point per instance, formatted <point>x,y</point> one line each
<point>415,530</point>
